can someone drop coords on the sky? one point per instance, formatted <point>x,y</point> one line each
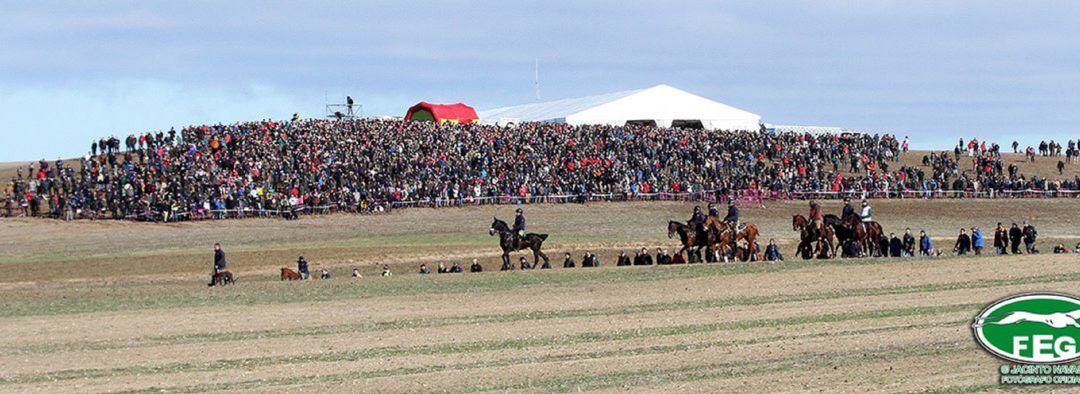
<point>934,70</point>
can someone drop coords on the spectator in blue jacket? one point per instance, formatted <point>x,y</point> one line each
<point>926,246</point>
<point>977,242</point>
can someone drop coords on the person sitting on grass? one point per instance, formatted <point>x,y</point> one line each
<point>623,260</point>
<point>524,263</point>
<point>772,252</point>
<point>424,269</point>
<point>456,269</point>
<point>589,260</point>
<point>325,274</point>
<point>678,259</point>
<point>568,262</point>
<point>1077,248</point>
<point>386,270</point>
<point>476,267</point>
<point>442,268</point>
<point>356,273</point>
<point>1060,249</point>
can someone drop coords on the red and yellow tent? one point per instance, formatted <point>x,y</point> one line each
<point>454,113</point>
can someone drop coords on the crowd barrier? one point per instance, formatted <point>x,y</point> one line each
<point>745,198</point>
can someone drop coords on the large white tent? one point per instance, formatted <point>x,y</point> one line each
<point>661,104</point>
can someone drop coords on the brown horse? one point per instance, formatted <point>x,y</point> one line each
<point>288,274</point>
<point>866,233</point>
<point>749,232</point>
<point>822,239</point>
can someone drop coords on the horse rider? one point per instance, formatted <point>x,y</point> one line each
<point>867,213</point>
<point>519,226</point>
<point>697,220</point>
<point>815,215</point>
<point>848,209</point>
<point>732,218</point>
<point>219,262</point>
<point>713,211</point>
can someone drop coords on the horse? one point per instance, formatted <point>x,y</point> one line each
<point>509,243</point>
<point>866,234</point>
<point>223,278</point>
<point>748,232</point>
<point>692,242</point>
<point>822,238</point>
<point>288,274</point>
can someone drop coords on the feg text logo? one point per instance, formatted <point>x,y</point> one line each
<point>1033,328</point>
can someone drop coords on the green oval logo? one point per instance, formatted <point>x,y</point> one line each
<point>1032,328</point>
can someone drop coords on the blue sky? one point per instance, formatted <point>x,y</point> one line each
<point>934,70</point>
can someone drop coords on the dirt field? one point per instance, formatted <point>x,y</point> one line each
<point>104,306</point>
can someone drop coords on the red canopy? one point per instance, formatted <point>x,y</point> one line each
<point>457,113</point>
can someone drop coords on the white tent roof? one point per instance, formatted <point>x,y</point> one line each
<point>662,104</point>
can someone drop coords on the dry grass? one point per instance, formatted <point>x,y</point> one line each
<point>107,306</point>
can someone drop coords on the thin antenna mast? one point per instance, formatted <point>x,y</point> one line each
<point>536,79</point>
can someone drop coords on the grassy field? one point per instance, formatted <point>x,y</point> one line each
<point>105,306</point>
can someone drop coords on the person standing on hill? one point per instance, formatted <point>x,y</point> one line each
<point>926,245</point>
<point>1029,237</point>
<point>909,243</point>
<point>977,242</point>
<point>219,262</point>
<point>1001,239</point>
<point>1015,235</point>
<point>302,268</point>
<point>963,243</point>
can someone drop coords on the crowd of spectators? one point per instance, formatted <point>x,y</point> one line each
<point>313,166</point>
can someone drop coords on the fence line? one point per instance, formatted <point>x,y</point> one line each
<point>746,198</point>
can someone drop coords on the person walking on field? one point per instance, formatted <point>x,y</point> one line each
<point>1001,239</point>
<point>977,242</point>
<point>219,262</point>
<point>963,243</point>
<point>1029,235</point>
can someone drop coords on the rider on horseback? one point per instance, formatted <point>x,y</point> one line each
<point>815,215</point>
<point>848,209</point>
<point>867,213</point>
<point>732,218</point>
<point>697,220</point>
<point>712,210</point>
<point>519,226</point>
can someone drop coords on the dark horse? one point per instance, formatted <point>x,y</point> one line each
<point>866,234</point>
<point>223,278</point>
<point>813,241</point>
<point>692,240</point>
<point>510,243</point>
